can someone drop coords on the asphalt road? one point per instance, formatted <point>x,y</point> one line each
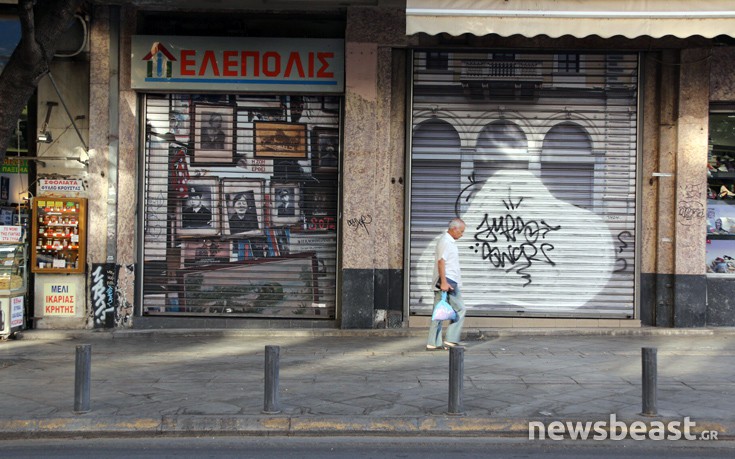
<point>356,448</point>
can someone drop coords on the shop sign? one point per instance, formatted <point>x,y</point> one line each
<point>11,233</point>
<point>56,185</point>
<point>59,299</point>
<point>16,312</point>
<point>237,64</point>
<point>14,165</point>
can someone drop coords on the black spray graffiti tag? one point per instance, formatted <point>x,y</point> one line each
<point>473,183</point>
<point>104,279</point>
<point>360,222</point>
<point>691,209</point>
<point>526,241</point>
<point>623,246</point>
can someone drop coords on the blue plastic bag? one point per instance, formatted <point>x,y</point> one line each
<point>443,310</point>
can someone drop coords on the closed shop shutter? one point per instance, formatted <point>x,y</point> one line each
<point>536,152</point>
<point>240,205</point>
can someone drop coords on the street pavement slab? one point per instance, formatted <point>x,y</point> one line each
<point>345,382</point>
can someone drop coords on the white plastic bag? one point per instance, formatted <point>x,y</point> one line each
<point>443,310</point>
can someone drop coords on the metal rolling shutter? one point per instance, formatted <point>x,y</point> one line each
<point>265,169</point>
<point>537,153</point>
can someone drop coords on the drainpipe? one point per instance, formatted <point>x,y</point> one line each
<point>114,134</point>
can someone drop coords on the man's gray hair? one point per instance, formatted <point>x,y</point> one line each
<point>455,223</point>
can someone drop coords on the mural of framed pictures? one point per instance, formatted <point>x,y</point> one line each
<point>295,108</point>
<point>178,123</point>
<point>285,203</point>
<point>244,155</point>
<point>204,252</point>
<point>288,169</point>
<point>325,149</point>
<point>243,207</point>
<point>214,135</point>
<point>266,114</point>
<point>320,203</point>
<point>330,104</point>
<point>279,140</point>
<point>249,287</point>
<point>198,213</point>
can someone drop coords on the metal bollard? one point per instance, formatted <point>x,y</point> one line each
<point>456,376</point>
<point>270,404</point>
<point>649,384</point>
<point>82,378</point>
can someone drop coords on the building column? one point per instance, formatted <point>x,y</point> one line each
<point>372,167</point>
<point>663,105</point>
<point>690,287</point>
<point>99,139</point>
<point>127,174</point>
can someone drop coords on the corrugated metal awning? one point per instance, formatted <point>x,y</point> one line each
<point>578,18</point>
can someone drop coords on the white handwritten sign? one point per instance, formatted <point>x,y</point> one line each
<point>11,233</point>
<point>16,312</point>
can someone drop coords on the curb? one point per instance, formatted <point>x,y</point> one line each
<point>96,427</point>
<point>469,333</point>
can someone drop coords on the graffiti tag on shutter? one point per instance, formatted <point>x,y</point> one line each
<point>104,280</point>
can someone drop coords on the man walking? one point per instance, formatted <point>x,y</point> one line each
<point>448,278</point>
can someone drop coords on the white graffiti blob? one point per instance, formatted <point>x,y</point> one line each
<point>525,249</point>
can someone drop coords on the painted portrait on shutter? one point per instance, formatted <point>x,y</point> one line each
<point>197,211</point>
<point>214,135</point>
<point>243,201</point>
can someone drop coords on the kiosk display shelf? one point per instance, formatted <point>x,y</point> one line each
<point>59,235</point>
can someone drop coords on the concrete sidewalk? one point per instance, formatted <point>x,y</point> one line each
<point>347,382</point>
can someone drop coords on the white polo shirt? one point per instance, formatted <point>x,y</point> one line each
<point>446,249</point>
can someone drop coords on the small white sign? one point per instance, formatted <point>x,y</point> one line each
<point>59,263</point>
<point>16,312</point>
<point>65,185</point>
<point>11,234</point>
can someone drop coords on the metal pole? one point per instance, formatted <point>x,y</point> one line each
<point>82,378</point>
<point>456,376</point>
<point>270,404</point>
<point>649,384</point>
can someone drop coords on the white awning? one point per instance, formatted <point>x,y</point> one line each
<point>578,18</point>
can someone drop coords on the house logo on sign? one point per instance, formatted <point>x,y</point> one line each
<point>160,60</point>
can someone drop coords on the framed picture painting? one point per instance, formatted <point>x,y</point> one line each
<point>243,207</point>
<point>279,140</point>
<point>285,203</point>
<point>325,149</point>
<point>214,135</point>
<point>197,211</point>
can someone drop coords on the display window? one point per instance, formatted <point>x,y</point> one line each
<point>60,235</point>
<point>720,252</point>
